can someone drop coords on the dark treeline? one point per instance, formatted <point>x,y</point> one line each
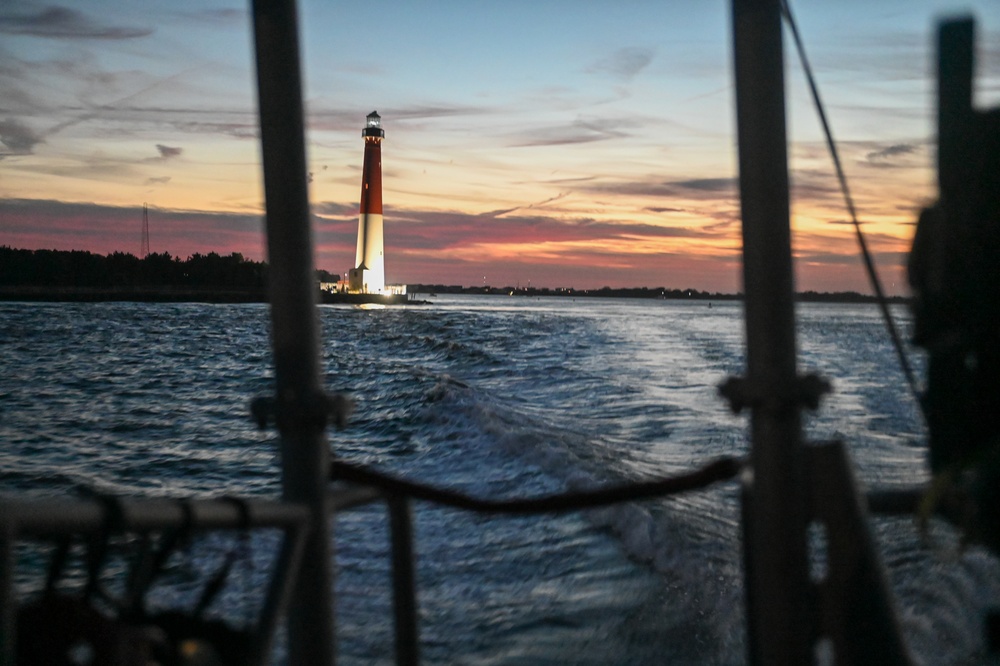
<point>59,268</point>
<point>639,292</point>
<point>603,292</point>
<point>844,297</point>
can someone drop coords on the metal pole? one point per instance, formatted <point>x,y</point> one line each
<point>43,517</point>
<point>404,586</point>
<point>857,609</point>
<point>778,571</point>
<point>295,335</point>
<point>8,602</point>
<point>286,571</point>
<point>956,64</point>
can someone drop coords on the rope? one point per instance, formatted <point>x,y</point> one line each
<point>849,201</point>
<point>719,470</point>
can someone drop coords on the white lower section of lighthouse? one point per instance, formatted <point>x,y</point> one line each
<point>369,275</point>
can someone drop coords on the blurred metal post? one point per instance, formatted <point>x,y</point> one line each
<point>404,585</point>
<point>956,115</point>
<point>8,602</point>
<point>279,592</point>
<point>854,599</point>
<point>295,335</point>
<point>778,584</point>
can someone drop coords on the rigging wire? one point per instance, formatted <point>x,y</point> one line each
<point>876,284</point>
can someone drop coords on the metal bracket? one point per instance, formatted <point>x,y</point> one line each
<point>321,408</point>
<point>741,393</point>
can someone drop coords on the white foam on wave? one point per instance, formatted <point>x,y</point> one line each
<point>942,601</point>
<point>693,544</point>
<point>700,579</point>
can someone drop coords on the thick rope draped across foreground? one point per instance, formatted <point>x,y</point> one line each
<point>721,469</point>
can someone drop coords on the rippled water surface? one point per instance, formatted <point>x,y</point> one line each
<point>499,397</point>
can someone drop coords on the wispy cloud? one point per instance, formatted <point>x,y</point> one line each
<point>898,149</point>
<point>888,156</point>
<point>166,152</point>
<point>331,209</point>
<point>63,93</point>
<point>431,111</point>
<point>91,167</point>
<point>220,15</point>
<point>624,63</point>
<point>708,184</point>
<point>847,258</point>
<point>326,115</point>
<point>440,230</point>
<point>539,204</point>
<point>699,188</point>
<point>56,22</point>
<point>579,131</point>
<point>36,224</point>
<point>17,137</point>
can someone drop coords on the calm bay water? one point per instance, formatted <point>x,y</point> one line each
<point>500,397</point>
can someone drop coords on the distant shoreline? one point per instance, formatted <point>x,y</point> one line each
<point>131,294</point>
<point>78,276</point>
<point>49,294</point>
<point>649,293</point>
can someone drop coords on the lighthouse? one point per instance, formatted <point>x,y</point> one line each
<point>368,274</point>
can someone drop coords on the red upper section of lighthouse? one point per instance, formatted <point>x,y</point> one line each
<point>371,179</point>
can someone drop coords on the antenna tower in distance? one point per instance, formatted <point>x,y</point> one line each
<point>144,250</point>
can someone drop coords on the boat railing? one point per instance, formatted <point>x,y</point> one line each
<point>353,485</point>
<point>56,520</point>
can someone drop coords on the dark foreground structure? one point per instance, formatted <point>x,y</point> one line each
<point>792,486</point>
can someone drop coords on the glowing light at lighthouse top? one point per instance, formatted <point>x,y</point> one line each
<point>373,129</point>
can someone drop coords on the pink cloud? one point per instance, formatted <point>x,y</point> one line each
<point>448,247</point>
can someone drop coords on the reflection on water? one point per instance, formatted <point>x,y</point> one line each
<point>499,397</point>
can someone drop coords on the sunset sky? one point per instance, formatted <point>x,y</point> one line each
<point>561,143</point>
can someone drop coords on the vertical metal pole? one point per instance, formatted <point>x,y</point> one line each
<point>956,41</point>
<point>404,582</point>
<point>286,571</point>
<point>8,604</point>
<point>295,334</point>
<point>778,572</point>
